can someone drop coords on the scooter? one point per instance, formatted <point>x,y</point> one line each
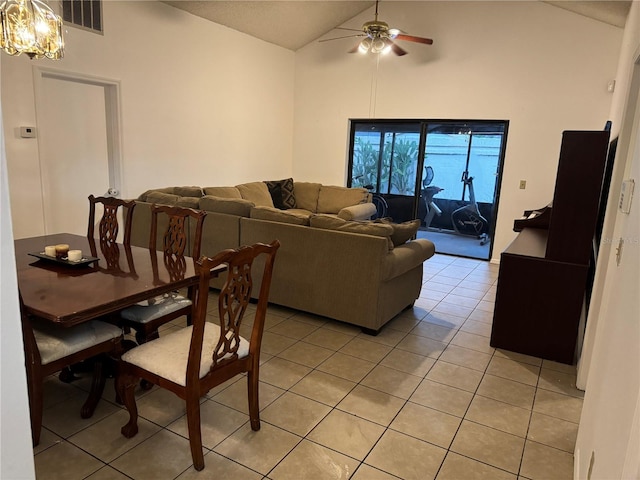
<point>467,220</point>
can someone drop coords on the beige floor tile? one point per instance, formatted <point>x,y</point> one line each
<point>306,354</point>
<point>273,343</point>
<point>478,328</point>
<point>466,357</point>
<point>64,419</point>
<point>553,432</point>
<point>559,367</point>
<point>454,271</point>
<point>294,413</point>
<point>422,345</point>
<point>434,331</point>
<point>442,397</point>
<point>426,424</point>
<point>391,381</point>
<point>104,440</point>
<point>415,313</point>
<point>455,376</point>
<point>403,322</point>
<point>217,422</point>
<point>481,316</point>
<point>365,349</point>
<point>486,306</point>
<point>323,387</point>
<point>261,450</point>
<point>452,282</point>
<point>326,338</point>
<point>386,336</point>
<point>165,455</point>
<point>471,290</point>
<point>426,303</point>
<point>434,293</point>
<point>282,373</point>
<point>540,462</point>
<point>371,405</point>
<point>107,473</point>
<point>499,415</point>
<point>346,366</point>
<point>366,472</point>
<point>312,461</point>
<point>55,391</point>
<point>559,382</point>
<point>507,391</point>
<point>518,357</point>
<point>161,406</point>
<point>453,309</point>
<point>512,370</point>
<point>309,318</point>
<point>236,396</point>
<point>408,362</point>
<point>444,319</point>
<point>439,286</point>
<point>347,434</point>
<point>218,467</point>
<point>457,467</point>
<point>47,439</point>
<point>461,300</point>
<point>293,328</point>
<point>558,405</point>
<point>64,461</point>
<point>406,457</point>
<point>473,342</point>
<point>342,327</point>
<point>488,445</point>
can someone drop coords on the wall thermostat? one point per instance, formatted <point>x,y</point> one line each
<point>28,132</point>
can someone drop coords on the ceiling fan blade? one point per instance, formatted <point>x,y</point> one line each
<point>350,29</point>
<point>411,38</point>
<point>338,38</point>
<point>395,48</point>
<point>355,48</point>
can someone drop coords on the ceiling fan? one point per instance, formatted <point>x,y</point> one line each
<point>379,37</point>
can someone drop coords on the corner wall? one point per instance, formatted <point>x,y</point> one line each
<point>542,68</point>
<point>201,104</point>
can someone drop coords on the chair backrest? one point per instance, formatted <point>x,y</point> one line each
<point>233,300</point>
<point>175,237</point>
<point>108,227</point>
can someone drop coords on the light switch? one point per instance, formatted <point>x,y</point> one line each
<point>28,132</point>
<point>523,184</point>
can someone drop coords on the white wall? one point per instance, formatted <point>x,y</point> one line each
<point>542,68</point>
<point>608,440</point>
<point>201,104</point>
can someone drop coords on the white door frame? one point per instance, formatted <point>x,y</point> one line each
<point>111,90</point>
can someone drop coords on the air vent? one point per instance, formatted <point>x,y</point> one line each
<point>86,14</point>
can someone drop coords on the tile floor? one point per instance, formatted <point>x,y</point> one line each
<point>426,398</point>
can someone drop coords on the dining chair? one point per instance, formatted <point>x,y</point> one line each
<point>50,348</point>
<point>147,316</point>
<point>108,227</point>
<point>195,359</point>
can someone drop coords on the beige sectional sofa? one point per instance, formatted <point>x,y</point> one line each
<point>332,261</point>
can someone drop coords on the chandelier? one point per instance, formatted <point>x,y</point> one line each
<point>30,27</point>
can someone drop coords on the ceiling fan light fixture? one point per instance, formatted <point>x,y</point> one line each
<point>365,46</point>
<point>30,27</point>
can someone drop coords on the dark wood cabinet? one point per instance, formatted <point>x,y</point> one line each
<point>543,272</point>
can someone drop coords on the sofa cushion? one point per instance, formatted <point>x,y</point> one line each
<point>162,198</point>
<point>331,222</point>
<point>362,211</point>
<point>188,202</point>
<point>332,199</point>
<point>306,195</point>
<point>275,215</point>
<point>402,232</point>
<point>187,191</point>
<point>256,192</point>
<point>282,193</point>
<point>143,196</point>
<point>223,192</point>
<point>230,206</point>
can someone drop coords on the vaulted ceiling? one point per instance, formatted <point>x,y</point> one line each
<point>294,24</point>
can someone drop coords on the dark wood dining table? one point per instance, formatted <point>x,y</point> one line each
<point>71,294</point>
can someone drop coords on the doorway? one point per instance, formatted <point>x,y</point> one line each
<point>444,172</point>
<point>79,145</point>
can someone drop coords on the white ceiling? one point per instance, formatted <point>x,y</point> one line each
<point>294,24</point>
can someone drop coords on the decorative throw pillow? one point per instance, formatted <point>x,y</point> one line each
<point>282,193</point>
<point>402,232</point>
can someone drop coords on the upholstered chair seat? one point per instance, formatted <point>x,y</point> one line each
<point>56,342</point>
<point>157,307</point>
<point>168,355</point>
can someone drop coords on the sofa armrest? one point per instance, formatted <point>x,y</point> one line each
<point>362,211</point>
<point>407,256</point>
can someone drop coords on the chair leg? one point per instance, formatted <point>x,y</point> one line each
<point>195,434</point>
<point>97,387</point>
<point>125,385</point>
<point>35,390</point>
<point>254,404</point>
